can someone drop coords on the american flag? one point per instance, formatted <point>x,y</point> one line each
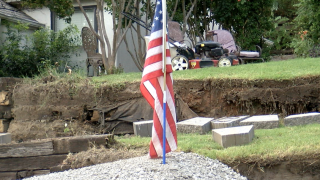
<point>153,87</point>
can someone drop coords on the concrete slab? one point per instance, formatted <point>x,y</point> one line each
<point>262,121</point>
<point>199,125</point>
<point>5,138</point>
<point>227,122</point>
<point>233,136</point>
<point>300,119</point>
<point>143,128</point>
<point>4,125</point>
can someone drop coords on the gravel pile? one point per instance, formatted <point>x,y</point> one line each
<point>178,165</point>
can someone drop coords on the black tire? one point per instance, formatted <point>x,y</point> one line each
<point>224,62</point>
<point>179,63</point>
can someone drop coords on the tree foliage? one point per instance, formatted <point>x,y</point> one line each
<point>307,24</point>
<point>248,20</point>
<point>63,8</point>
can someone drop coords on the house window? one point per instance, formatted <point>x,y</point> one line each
<point>77,18</point>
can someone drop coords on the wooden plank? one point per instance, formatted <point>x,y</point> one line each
<point>78,143</point>
<point>8,175</point>
<point>25,174</point>
<point>26,149</point>
<point>30,163</point>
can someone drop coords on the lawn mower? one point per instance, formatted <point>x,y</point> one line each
<point>218,50</point>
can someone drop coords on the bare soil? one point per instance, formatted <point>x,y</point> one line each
<point>50,109</point>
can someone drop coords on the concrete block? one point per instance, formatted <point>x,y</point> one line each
<point>262,121</point>
<point>5,138</point>
<point>4,125</point>
<point>199,125</point>
<point>143,128</point>
<point>300,119</point>
<point>4,98</point>
<point>227,122</point>
<point>233,136</point>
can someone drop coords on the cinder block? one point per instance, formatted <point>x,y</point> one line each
<point>199,125</point>
<point>233,136</point>
<point>4,125</point>
<point>300,119</point>
<point>226,122</point>
<point>4,98</point>
<point>262,121</point>
<point>143,128</point>
<point>5,138</point>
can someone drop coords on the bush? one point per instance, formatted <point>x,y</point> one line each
<point>27,56</point>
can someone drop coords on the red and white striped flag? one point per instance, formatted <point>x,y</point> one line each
<point>153,88</point>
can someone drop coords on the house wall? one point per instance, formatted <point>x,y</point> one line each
<point>123,56</point>
<point>78,60</point>
<point>43,15</point>
<point>4,29</point>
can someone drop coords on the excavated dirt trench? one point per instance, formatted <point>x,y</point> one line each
<point>53,109</point>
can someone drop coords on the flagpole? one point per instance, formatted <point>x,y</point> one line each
<point>164,69</point>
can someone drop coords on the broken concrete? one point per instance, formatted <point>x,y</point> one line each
<point>226,122</point>
<point>262,121</point>
<point>301,119</point>
<point>234,136</point>
<point>143,128</point>
<point>199,125</point>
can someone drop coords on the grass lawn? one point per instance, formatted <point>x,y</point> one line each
<point>267,145</point>
<point>270,70</point>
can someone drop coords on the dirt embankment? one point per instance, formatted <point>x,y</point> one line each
<point>44,110</point>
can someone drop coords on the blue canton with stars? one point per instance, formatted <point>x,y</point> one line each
<point>157,19</point>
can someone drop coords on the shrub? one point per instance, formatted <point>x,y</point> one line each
<point>26,56</point>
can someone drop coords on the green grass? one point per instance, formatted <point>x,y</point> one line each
<point>270,70</point>
<point>267,145</point>
<point>277,70</point>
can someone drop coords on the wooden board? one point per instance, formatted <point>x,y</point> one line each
<point>26,149</point>
<point>30,163</point>
<point>78,144</point>
<point>8,175</point>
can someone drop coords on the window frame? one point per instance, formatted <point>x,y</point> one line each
<point>94,8</point>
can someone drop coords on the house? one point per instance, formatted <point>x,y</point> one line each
<point>44,17</point>
<point>12,14</point>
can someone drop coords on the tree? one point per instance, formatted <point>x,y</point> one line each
<point>247,20</point>
<point>308,28</point>
<point>63,8</point>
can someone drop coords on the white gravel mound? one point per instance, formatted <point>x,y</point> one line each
<point>178,165</point>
